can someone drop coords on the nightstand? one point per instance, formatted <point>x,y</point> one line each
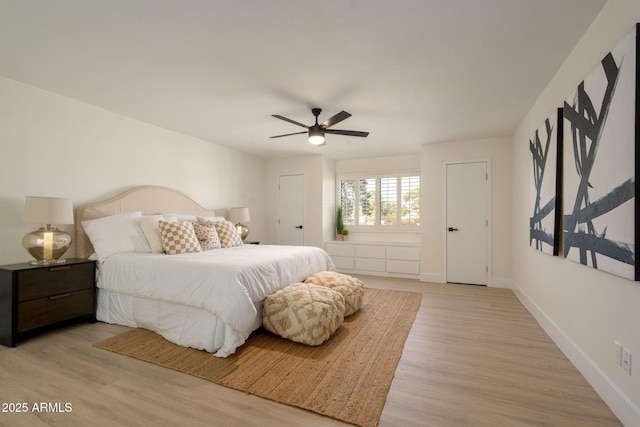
<point>250,242</point>
<point>35,297</point>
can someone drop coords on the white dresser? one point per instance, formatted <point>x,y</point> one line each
<point>376,258</point>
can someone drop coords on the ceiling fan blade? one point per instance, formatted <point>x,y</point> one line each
<point>336,119</point>
<point>288,134</point>
<point>277,116</point>
<point>347,132</point>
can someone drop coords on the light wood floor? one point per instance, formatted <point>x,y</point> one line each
<point>474,357</point>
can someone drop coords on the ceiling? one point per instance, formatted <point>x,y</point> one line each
<point>410,71</point>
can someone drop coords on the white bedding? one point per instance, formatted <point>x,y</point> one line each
<point>228,284</point>
<point>180,324</point>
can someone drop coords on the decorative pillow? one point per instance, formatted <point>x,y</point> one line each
<point>228,234</point>
<point>149,226</point>
<point>178,237</point>
<point>304,313</point>
<point>351,288</point>
<point>207,236</point>
<point>116,234</point>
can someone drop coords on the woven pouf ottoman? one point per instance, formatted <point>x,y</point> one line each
<point>351,288</point>
<point>304,313</point>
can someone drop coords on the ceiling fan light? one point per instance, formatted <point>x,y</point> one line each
<point>316,136</point>
<point>316,140</point>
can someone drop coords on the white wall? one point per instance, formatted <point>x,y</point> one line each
<point>583,310</point>
<point>434,157</point>
<point>328,199</point>
<point>379,164</point>
<point>51,145</point>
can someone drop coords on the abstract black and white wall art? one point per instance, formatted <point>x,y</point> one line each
<point>545,190</point>
<point>601,151</point>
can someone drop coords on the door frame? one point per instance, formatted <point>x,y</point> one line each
<point>489,225</point>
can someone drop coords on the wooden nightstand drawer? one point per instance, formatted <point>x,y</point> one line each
<point>53,309</point>
<point>54,280</point>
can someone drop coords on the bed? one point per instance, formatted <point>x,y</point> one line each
<point>209,299</point>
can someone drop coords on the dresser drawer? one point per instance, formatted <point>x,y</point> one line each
<point>340,249</point>
<point>370,264</point>
<point>55,280</point>
<point>56,308</point>
<point>404,253</point>
<point>404,267</point>
<point>370,252</point>
<point>343,262</point>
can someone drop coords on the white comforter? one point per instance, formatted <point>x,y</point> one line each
<point>225,282</point>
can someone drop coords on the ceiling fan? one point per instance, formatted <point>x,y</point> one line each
<point>316,132</point>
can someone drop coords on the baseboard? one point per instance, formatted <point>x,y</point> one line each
<point>620,404</point>
<point>496,282</point>
<point>379,274</point>
<point>433,277</point>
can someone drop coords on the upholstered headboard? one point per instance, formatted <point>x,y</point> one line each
<point>148,199</point>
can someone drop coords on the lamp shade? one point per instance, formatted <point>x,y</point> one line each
<point>47,210</point>
<point>237,215</point>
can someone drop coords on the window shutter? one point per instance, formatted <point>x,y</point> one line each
<point>367,198</point>
<point>410,201</point>
<point>348,201</point>
<point>389,201</point>
<point>380,201</point>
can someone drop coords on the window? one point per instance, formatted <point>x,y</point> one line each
<point>380,202</point>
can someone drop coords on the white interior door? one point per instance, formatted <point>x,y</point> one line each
<point>467,224</point>
<point>291,210</point>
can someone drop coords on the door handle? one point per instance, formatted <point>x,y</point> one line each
<point>299,226</point>
<point>453,229</point>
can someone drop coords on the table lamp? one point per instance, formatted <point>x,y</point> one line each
<point>238,216</point>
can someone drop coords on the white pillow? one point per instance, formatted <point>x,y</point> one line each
<point>149,226</point>
<point>205,219</point>
<point>181,217</point>
<point>116,234</point>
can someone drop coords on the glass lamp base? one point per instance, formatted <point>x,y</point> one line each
<point>243,230</point>
<point>47,245</point>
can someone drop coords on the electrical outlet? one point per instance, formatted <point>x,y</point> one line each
<point>618,353</point>
<point>626,361</point>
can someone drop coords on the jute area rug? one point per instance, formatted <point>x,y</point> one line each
<point>346,378</point>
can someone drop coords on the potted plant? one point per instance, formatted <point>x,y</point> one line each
<point>344,233</point>
<point>339,224</point>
